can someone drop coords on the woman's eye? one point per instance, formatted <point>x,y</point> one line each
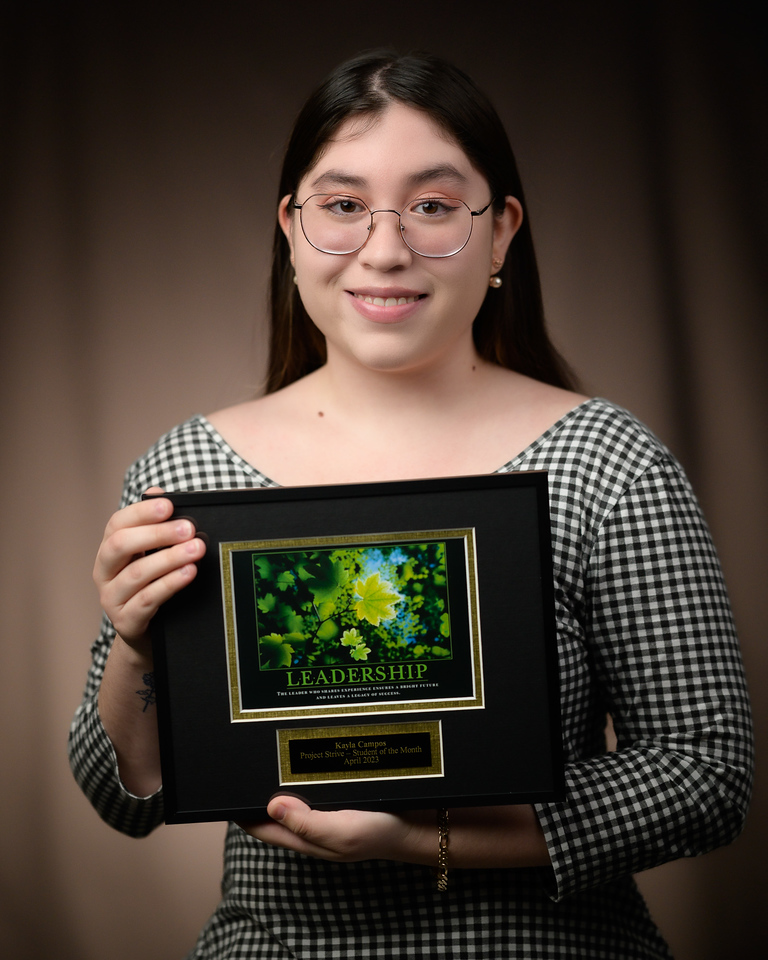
<point>343,205</point>
<point>432,208</point>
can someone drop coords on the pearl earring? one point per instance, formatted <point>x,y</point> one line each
<point>495,282</point>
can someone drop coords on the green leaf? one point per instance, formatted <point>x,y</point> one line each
<point>285,580</point>
<point>328,575</point>
<point>324,610</point>
<point>377,599</point>
<point>327,630</point>
<point>360,652</point>
<point>291,621</point>
<point>272,640</point>
<point>274,652</point>
<point>445,624</point>
<point>266,603</point>
<point>440,652</point>
<point>351,638</point>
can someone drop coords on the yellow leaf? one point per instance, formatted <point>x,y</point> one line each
<point>377,599</point>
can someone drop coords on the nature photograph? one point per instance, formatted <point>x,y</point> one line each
<point>361,604</point>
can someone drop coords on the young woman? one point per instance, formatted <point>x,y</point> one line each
<point>408,338</point>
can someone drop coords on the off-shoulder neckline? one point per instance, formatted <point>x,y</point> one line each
<point>512,464</point>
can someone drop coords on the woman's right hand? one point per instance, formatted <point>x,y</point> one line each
<point>134,581</point>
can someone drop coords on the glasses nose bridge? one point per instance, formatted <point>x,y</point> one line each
<point>397,213</point>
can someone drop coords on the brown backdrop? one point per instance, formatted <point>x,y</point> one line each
<point>138,159</point>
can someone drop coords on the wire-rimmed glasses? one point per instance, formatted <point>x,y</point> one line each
<point>430,226</point>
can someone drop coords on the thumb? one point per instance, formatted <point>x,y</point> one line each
<point>292,813</point>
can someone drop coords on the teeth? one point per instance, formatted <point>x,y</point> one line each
<point>389,302</point>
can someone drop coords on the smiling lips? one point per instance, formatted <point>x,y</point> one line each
<point>385,306</point>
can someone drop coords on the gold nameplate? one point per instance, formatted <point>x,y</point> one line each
<point>375,751</point>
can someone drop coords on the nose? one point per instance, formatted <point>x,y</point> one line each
<point>385,248</point>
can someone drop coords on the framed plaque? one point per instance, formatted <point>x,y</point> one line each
<point>362,646</point>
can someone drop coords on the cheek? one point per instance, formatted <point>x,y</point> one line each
<point>319,285</point>
<point>467,289</point>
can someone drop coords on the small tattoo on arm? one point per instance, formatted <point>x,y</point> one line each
<point>148,695</point>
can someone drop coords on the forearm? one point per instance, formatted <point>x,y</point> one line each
<point>129,715</point>
<point>481,837</point>
<point>507,836</point>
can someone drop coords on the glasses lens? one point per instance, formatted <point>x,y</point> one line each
<point>334,223</point>
<point>436,227</point>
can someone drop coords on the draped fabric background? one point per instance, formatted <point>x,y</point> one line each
<point>139,151</point>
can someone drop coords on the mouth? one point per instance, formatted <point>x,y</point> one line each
<point>386,305</point>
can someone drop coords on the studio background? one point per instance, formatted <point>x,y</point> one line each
<point>139,154</point>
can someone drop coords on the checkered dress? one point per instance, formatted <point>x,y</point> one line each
<point>645,634</point>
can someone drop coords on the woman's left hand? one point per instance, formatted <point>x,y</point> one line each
<point>506,836</point>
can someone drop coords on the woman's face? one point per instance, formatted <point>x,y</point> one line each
<point>387,161</point>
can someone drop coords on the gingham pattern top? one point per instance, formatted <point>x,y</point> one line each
<point>645,634</point>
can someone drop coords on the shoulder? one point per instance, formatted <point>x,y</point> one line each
<point>190,456</point>
<point>595,455</point>
<point>598,434</point>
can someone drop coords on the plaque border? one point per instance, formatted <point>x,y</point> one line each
<point>509,750</point>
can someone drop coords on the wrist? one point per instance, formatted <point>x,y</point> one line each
<point>136,656</point>
<point>443,832</point>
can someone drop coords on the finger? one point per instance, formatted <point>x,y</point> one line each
<point>149,569</point>
<point>343,835</point>
<point>279,835</point>
<point>290,827</point>
<point>139,513</point>
<point>127,542</point>
<point>132,619</point>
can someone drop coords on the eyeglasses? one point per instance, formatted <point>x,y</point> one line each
<point>430,226</point>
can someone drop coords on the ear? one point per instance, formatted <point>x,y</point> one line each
<point>286,217</point>
<point>505,226</point>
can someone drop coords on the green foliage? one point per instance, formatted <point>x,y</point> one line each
<point>375,604</point>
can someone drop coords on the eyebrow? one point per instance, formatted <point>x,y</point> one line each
<point>445,172</point>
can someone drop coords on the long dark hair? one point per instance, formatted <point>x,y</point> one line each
<point>509,329</point>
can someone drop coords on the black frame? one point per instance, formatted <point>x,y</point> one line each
<point>504,747</point>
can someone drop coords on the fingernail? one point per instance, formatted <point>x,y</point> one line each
<point>184,529</point>
<point>278,812</point>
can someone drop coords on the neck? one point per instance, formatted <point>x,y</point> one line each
<point>435,391</point>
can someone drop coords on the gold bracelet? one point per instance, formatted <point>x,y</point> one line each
<point>442,849</point>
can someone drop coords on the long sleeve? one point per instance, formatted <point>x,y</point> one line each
<point>660,650</point>
<point>192,456</point>
<point>93,761</point>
